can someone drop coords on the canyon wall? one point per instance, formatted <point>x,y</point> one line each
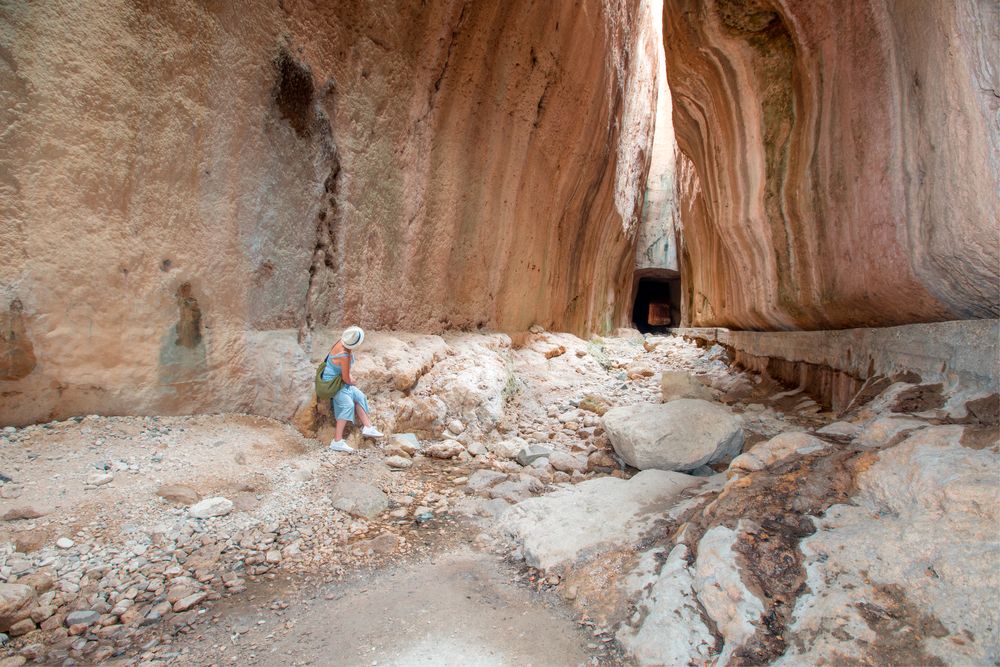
<point>189,189</point>
<point>841,161</point>
<point>656,246</point>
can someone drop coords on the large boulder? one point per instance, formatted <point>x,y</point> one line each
<point>682,435</point>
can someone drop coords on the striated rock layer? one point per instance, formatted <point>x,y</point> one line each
<point>179,182</point>
<point>841,161</point>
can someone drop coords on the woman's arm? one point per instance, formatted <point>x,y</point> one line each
<point>345,369</point>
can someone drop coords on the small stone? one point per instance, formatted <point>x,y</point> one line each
<point>64,543</point>
<point>85,618</point>
<point>100,479</point>
<point>210,507</point>
<point>445,450</point>
<point>532,453</point>
<point>179,494</point>
<point>22,514</point>
<point>273,556</point>
<point>190,601</point>
<point>398,462</point>
<point>566,462</point>
<point>22,627</point>
<point>456,426</point>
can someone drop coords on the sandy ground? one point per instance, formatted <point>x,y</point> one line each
<point>461,607</point>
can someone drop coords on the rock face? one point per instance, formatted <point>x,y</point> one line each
<point>932,551</point>
<point>682,435</point>
<point>432,167</point>
<point>839,161</point>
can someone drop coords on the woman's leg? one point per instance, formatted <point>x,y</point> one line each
<point>339,434</point>
<point>362,414</point>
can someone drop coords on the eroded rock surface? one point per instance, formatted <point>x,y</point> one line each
<point>784,111</point>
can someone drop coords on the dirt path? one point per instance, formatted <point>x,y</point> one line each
<point>461,607</point>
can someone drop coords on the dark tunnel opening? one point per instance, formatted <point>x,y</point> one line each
<point>657,303</point>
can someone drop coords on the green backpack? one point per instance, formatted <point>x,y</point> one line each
<point>327,389</point>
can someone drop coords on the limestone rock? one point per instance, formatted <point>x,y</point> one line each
<point>776,449</point>
<point>15,603</point>
<point>883,430</point>
<point>793,77</point>
<point>100,479</point>
<point>567,462</point>
<point>448,449</point>
<point>398,462</point>
<point>23,513</point>
<point>179,494</point>
<point>87,617</point>
<point>424,416</point>
<point>842,429</point>
<point>211,507</point>
<point>482,479</point>
<point>918,539</point>
<point>589,518</point>
<point>406,442</point>
<point>528,455</point>
<point>359,498</point>
<point>671,630</point>
<point>726,599</point>
<point>681,435</point>
<point>594,403</point>
<point>507,449</point>
<point>678,384</point>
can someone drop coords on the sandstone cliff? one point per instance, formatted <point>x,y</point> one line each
<point>844,160</point>
<point>181,182</point>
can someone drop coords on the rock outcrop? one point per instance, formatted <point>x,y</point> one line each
<point>839,161</point>
<point>178,183</point>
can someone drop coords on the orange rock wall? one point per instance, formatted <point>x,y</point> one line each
<point>841,160</point>
<point>184,183</point>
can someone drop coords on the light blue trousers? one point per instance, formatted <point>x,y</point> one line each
<point>344,400</point>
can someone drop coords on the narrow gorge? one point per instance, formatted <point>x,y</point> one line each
<point>680,325</point>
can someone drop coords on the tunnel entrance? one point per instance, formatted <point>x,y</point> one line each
<point>657,303</point>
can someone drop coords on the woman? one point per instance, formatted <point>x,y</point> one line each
<point>350,400</point>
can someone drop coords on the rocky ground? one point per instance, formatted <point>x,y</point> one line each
<point>511,525</point>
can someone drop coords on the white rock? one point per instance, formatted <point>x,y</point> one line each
<point>778,448</point>
<point>456,426</point>
<point>721,591</point>
<point>924,522</point>
<point>592,517</point>
<point>100,478</point>
<point>209,507</point>
<point>567,462</point>
<point>846,429</point>
<point>683,434</point>
<point>671,630</point>
<point>398,462</point>
<point>64,543</point>
<point>881,431</point>
<point>506,449</point>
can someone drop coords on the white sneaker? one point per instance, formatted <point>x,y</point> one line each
<point>371,432</point>
<point>340,446</point>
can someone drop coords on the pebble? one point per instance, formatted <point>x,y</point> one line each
<point>64,543</point>
<point>84,618</point>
